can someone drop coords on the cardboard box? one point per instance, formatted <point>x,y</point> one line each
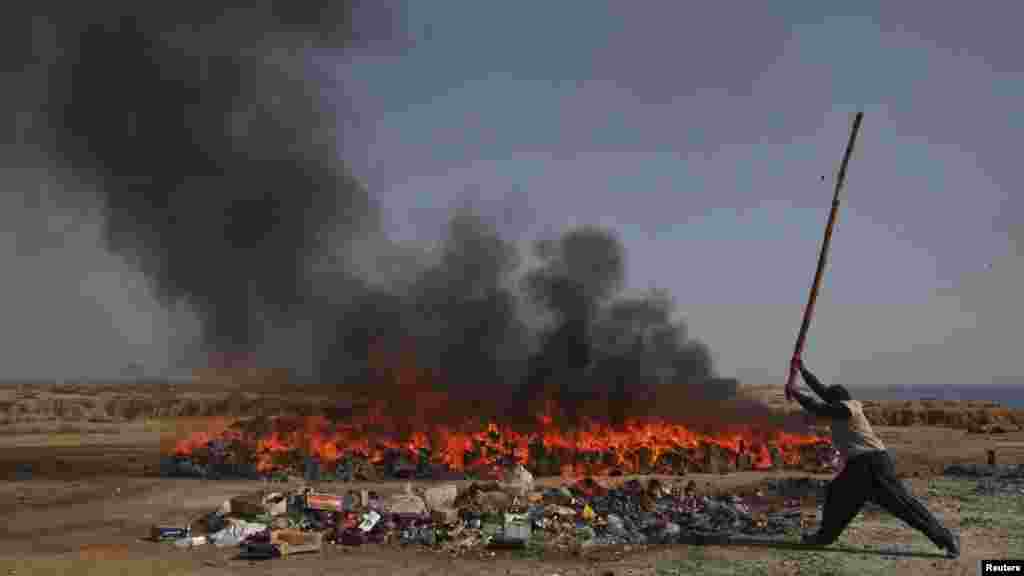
<point>296,542</point>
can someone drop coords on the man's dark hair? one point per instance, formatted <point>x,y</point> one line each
<point>837,393</point>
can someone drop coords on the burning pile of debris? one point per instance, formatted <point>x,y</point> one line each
<point>320,450</point>
<point>513,513</point>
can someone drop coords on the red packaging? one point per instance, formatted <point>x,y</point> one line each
<point>326,502</point>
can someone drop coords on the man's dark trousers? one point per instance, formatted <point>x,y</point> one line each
<point>871,477</point>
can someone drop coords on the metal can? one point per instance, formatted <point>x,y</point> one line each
<point>161,533</point>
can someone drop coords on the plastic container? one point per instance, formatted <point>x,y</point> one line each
<point>163,533</point>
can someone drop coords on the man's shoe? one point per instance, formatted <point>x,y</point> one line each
<point>809,538</point>
<point>953,548</point>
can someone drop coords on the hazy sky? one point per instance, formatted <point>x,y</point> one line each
<point>701,135</point>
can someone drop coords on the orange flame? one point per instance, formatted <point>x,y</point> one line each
<point>593,448</point>
<point>411,427</point>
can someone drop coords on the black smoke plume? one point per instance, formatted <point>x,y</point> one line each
<point>207,147</point>
<point>606,354</point>
<point>464,309</point>
<point>578,273</point>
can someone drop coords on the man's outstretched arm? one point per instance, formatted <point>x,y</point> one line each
<point>819,408</point>
<point>812,381</point>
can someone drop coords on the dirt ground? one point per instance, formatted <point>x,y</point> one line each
<point>90,497</point>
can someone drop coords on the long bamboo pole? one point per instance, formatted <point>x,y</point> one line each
<point>823,255</point>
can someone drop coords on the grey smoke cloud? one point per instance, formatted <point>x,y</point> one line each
<point>180,191</point>
<point>214,169</point>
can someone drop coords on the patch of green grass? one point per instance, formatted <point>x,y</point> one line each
<point>811,563</point>
<point>884,519</point>
<point>955,488</point>
<point>793,532</point>
<point>698,562</point>
<point>858,550</point>
<point>968,522</point>
<point>845,556</point>
<point>1001,513</point>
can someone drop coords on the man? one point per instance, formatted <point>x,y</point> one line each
<point>868,473</point>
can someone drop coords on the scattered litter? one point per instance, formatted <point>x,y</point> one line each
<point>578,516</point>
<point>517,527</point>
<point>327,502</point>
<point>259,551</point>
<point>235,532</point>
<point>370,520</point>
<point>291,542</point>
<point>191,542</point>
<point>587,514</point>
<point>210,523</point>
<point>163,533</point>
<point>23,472</point>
